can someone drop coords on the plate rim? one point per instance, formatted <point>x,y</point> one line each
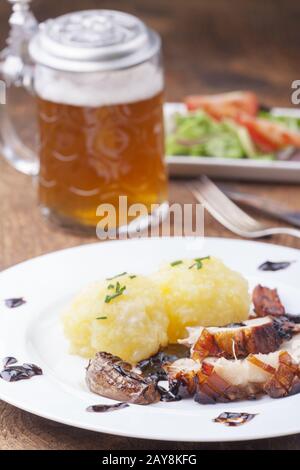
<point>90,244</point>
<point>157,437</point>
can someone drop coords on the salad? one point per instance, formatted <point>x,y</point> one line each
<point>232,125</point>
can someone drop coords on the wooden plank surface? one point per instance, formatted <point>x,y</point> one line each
<point>208,47</point>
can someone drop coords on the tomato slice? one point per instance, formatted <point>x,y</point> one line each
<point>269,136</point>
<point>224,104</point>
<point>242,106</point>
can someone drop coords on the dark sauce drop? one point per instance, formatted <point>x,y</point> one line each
<point>8,361</point>
<point>128,373</point>
<point>16,373</point>
<point>153,367</point>
<point>121,370</point>
<point>235,325</point>
<point>167,395</point>
<point>14,302</point>
<point>33,369</point>
<point>105,408</point>
<point>274,266</point>
<point>234,419</point>
<point>292,317</point>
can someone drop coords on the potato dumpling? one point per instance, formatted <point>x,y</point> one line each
<point>131,324</point>
<point>201,292</point>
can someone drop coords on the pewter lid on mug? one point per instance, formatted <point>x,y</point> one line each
<point>93,40</point>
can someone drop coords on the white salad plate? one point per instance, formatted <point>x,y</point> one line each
<point>33,333</point>
<point>231,168</point>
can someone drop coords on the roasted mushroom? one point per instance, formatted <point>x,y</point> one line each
<point>110,377</point>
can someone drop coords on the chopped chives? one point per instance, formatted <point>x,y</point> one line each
<point>198,262</point>
<point>117,275</point>
<point>176,263</point>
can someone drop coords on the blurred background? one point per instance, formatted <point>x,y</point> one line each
<point>210,46</point>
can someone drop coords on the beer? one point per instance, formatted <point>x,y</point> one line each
<point>93,155</point>
<point>98,82</point>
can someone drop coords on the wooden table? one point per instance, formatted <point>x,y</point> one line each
<point>209,47</point>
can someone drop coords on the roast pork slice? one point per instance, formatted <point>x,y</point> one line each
<point>181,376</point>
<point>266,301</point>
<point>223,380</point>
<point>259,335</point>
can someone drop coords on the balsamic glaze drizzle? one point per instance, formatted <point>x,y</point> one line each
<point>12,373</point>
<point>153,367</point>
<point>14,302</point>
<point>235,325</point>
<point>105,408</point>
<point>274,266</point>
<point>127,373</point>
<point>167,395</point>
<point>234,419</point>
<point>8,361</point>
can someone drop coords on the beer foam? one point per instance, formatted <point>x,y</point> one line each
<point>98,88</point>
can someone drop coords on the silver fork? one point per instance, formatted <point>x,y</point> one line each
<point>230,215</point>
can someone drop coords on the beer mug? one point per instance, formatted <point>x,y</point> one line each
<point>98,82</point>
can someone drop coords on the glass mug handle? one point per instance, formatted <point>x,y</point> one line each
<point>17,71</point>
<point>13,149</point>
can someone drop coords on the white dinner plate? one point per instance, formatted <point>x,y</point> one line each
<point>231,168</point>
<point>33,333</point>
